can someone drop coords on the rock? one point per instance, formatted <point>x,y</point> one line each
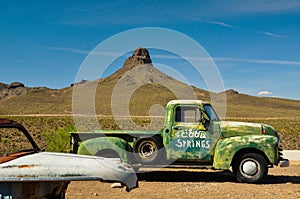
<point>15,85</point>
<point>139,57</point>
<point>231,92</point>
<point>116,185</point>
<point>3,86</point>
<point>142,54</point>
<point>94,194</point>
<point>83,81</point>
<point>13,89</point>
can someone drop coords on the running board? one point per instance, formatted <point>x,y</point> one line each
<point>178,166</point>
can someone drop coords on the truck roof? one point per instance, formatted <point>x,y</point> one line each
<point>187,102</point>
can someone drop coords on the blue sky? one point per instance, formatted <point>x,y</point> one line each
<point>255,44</point>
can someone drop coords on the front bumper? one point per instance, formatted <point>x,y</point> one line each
<point>284,163</point>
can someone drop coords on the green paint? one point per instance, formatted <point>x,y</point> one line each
<point>231,129</point>
<point>226,148</point>
<point>93,146</point>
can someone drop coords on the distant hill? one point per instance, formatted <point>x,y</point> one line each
<point>39,100</point>
<point>13,89</point>
<point>145,85</point>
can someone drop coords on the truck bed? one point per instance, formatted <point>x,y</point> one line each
<point>125,134</point>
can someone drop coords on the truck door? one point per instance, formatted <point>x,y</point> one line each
<point>189,139</point>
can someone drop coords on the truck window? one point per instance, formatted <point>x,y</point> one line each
<point>187,114</point>
<point>211,112</point>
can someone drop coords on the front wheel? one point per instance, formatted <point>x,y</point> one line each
<point>250,168</point>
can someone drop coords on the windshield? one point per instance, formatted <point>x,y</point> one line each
<point>211,112</point>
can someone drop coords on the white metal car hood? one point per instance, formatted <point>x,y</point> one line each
<point>48,166</point>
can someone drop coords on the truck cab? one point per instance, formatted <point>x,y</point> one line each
<point>188,133</point>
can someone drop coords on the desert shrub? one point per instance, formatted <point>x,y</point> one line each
<point>59,140</point>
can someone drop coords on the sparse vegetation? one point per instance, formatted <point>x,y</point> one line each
<point>59,140</point>
<point>39,127</point>
<point>13,140</point>
<point>51,133</point>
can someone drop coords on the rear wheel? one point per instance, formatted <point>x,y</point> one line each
<point>147,150</point>
<point>250,168</point>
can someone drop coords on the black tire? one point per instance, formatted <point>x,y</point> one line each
<point>148,150</point>
<point>250,168</point>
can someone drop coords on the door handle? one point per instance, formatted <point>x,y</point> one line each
<point>177,128</point>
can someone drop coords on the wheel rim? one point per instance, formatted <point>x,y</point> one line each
<point>147,150</point>
<point>249,167</point>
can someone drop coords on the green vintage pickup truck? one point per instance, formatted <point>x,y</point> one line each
<point>193,137</point>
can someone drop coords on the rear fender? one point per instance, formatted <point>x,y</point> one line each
<point>95,145</point>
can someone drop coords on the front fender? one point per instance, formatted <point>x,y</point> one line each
<point>94,145</point>
<point>226,148</point>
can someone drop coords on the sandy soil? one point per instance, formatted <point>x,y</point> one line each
<point>168,183</point>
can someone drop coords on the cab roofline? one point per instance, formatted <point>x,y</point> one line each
<point>187,102</point>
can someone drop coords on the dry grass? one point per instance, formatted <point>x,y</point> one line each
<point>42,128</point>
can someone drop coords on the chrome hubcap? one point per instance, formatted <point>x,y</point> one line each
<point>249,168</point>
<point>147,150</point>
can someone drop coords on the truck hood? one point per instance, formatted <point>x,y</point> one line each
<point>48,166</point>
<point>231,129</point>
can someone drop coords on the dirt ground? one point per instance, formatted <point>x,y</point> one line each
<point>183,183</point>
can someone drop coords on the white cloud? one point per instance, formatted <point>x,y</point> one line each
<point>73,50</point>
<point>219,23</point>
<point>259,6</point>
<point>84,52</point>
<point>264,93</point>
<point>155,56</point>
<point>258,61</point>
<point>271,34</point>
<point>232,59</point>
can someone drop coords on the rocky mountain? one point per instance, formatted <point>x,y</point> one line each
<point>137,88</point>
<point>137,85</point>
<point>138,71</point>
